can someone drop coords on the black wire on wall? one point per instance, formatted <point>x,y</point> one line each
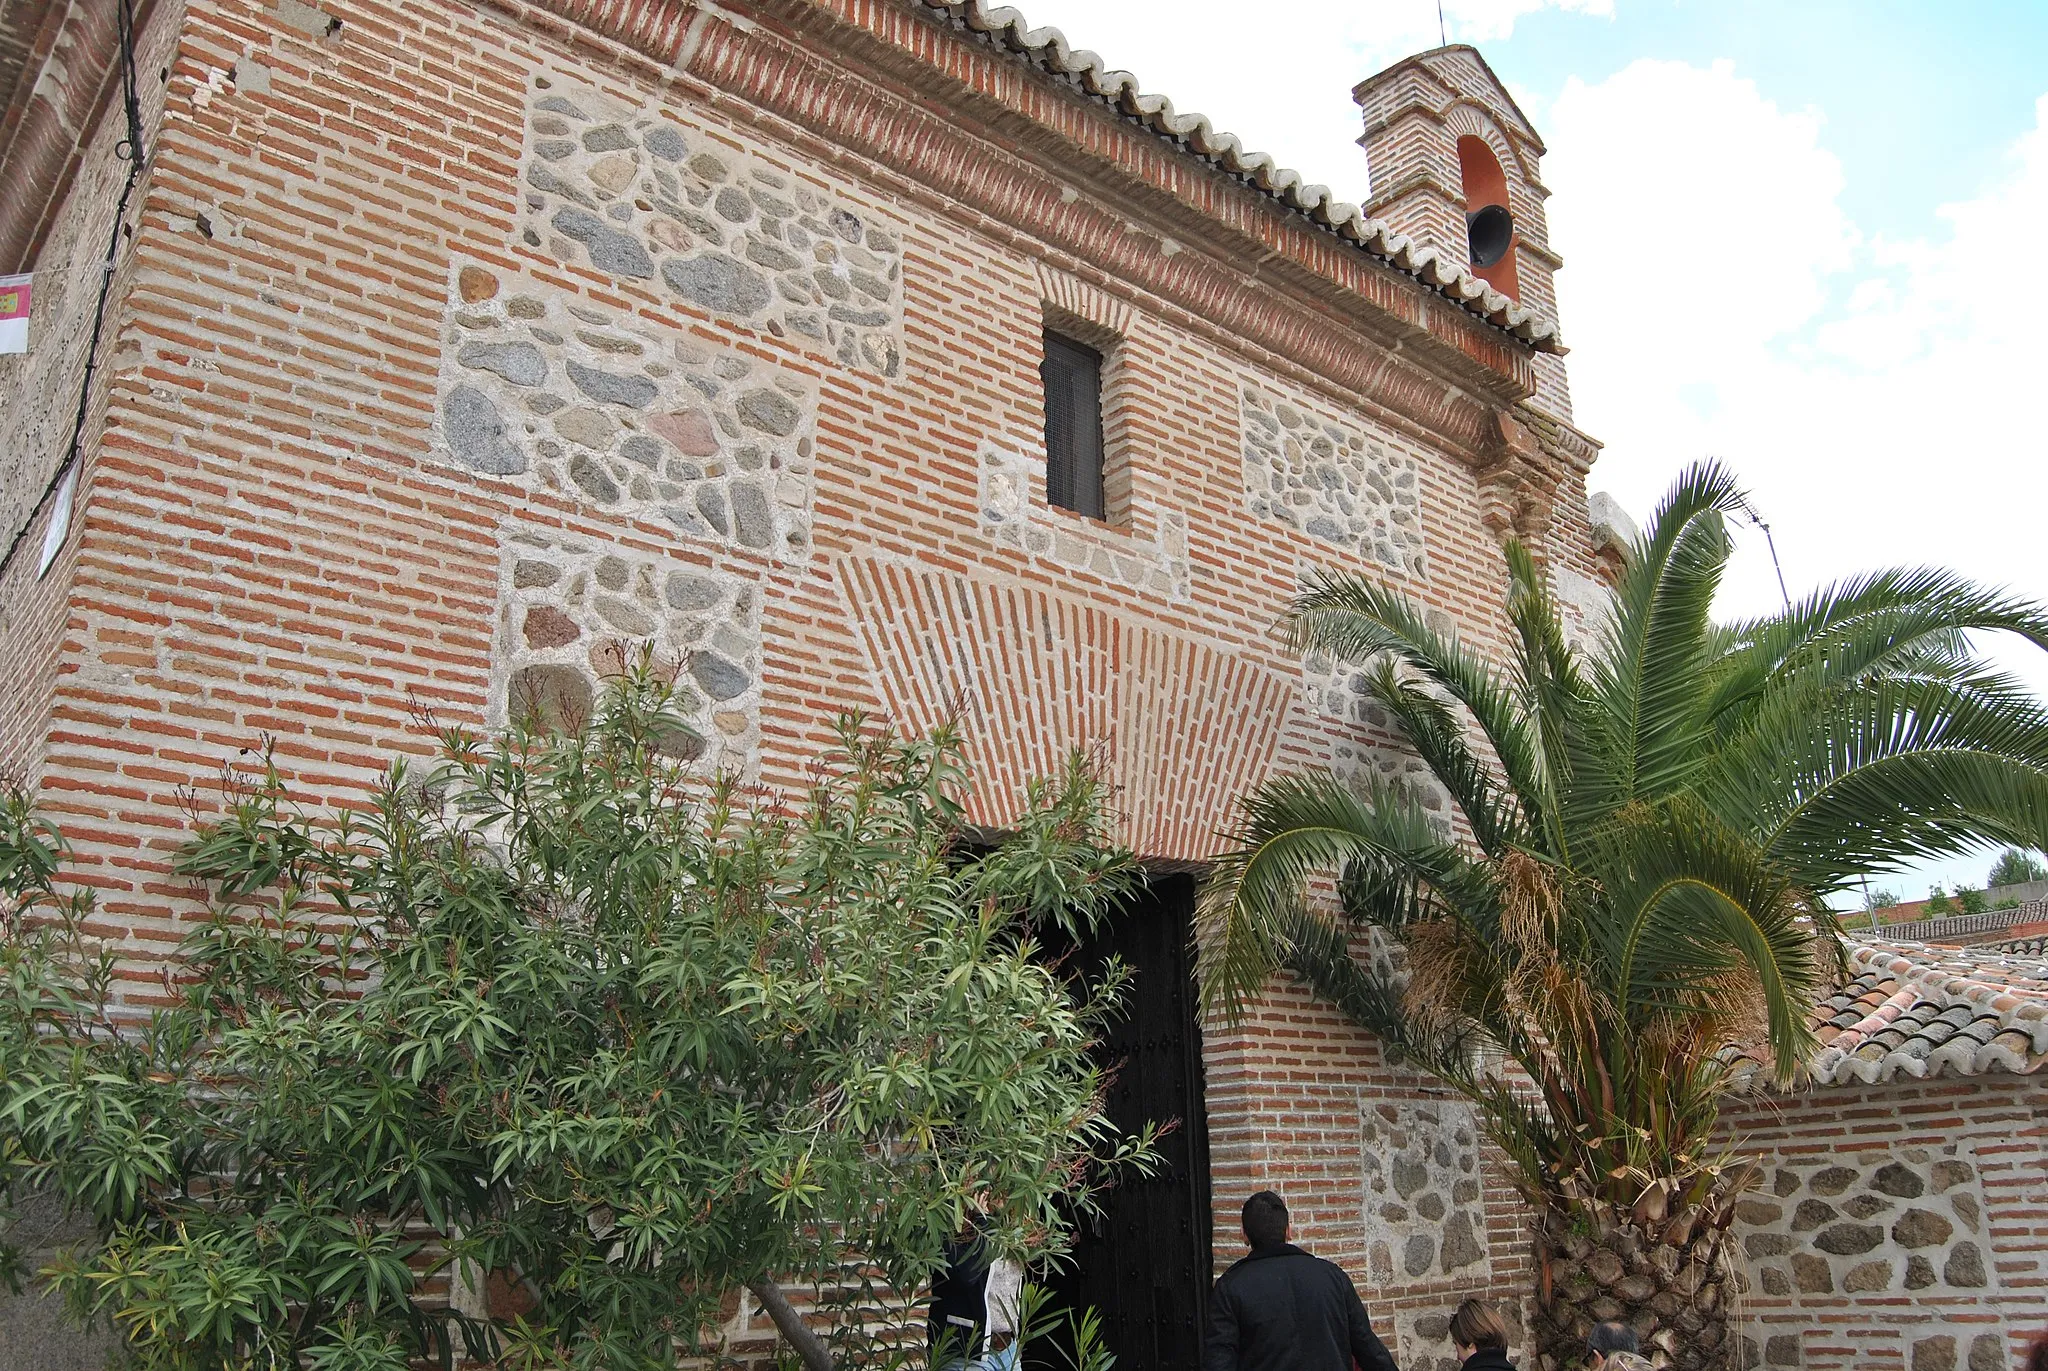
<point>134,153</point>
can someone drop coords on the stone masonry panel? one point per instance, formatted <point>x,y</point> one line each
<point>1422,1212</point>
<point>1331,479</point>
<point>1585,606</point>
<point>1909,1222</point>
<point>1015,519</point>
<point>1371,747</point>
<point>1355,762</point>
<point>638,195</point>
<point>572,613</point>
<point>604,408</point>
<point>1953,1347</point>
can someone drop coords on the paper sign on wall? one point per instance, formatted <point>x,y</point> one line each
<point>60,520</point>
<point>13,314</point>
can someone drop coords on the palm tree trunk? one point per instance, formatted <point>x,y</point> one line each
<point>1673,1281</point>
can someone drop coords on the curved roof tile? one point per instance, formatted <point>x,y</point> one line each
<point>1908,1009</point>
<point>1049,50</point>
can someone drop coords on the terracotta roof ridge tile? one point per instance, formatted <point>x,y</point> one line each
<point>1048,48</point>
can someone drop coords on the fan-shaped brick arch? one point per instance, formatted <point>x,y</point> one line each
<point>1467,120</point>
<point>1184,727</point>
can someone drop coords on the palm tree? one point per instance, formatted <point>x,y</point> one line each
<point>1635,910</point>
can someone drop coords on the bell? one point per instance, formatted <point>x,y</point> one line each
<point>1489,231</point>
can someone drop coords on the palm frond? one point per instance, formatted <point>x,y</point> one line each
<point>1320,952</point>
<point>1656,823</point>
<point>1648,678</point>
<point>1355,620</point>
<point>1897,620</point>
<point>1840,782</point>
<point>1294,829</point>
<point>1576,769</point>
<point>1496,817</point>
<point>1459,1052</point>
<point>1688,900</point>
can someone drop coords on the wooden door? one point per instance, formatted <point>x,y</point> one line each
<point>1144,1262</point>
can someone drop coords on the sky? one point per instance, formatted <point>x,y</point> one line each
<point>1846,201</point>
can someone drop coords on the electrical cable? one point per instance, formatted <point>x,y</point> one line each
<point>134,153</point>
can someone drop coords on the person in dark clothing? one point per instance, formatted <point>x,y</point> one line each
<point>959,1308</point>
<point>1481,1337</point>
<point>1281,1309</point>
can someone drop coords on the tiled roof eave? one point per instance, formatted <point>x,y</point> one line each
<point>1939,1016</point>
<point>1048,50</point>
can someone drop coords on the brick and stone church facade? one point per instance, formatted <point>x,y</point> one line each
<point>454,349</point>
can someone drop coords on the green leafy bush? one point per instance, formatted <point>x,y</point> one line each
<point>559,1012</point>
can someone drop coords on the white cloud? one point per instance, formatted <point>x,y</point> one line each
<point>1474,21</point>
<point>1878,397</point>
<point>1893,426</point>
<point>1671,182</point>
<point>1281,82</point>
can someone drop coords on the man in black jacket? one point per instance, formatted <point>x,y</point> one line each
<point>1282,1310</point>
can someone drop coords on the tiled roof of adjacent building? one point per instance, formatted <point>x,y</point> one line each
<point>1908,1009</point>
<point>1048,49</point>
<point>1967,928</point>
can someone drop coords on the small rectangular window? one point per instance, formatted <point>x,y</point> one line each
<point>1072,373</point>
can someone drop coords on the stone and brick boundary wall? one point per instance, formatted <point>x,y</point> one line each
<point>1366,1154</point>
<point>463,350</point>
<point>1897,1226</point>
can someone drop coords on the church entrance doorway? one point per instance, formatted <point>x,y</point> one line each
<point>1143,1263</point>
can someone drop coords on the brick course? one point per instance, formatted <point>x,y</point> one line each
<point>278,538</point>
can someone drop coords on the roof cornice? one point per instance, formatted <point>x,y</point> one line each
<point>897,90</point>
<point>1048,50</point>
<point>59,67</point>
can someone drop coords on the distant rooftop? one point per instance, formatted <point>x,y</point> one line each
<point>1959,929</point>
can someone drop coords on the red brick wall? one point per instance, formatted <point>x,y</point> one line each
<point>42,388</point>
<point>1983,1138</point>
<point>1290,1097</point>
<point>278,546</point>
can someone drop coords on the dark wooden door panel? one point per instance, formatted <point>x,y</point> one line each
<point>1144,1262</point>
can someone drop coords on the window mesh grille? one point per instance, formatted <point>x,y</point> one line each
<point>1072,373</point>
